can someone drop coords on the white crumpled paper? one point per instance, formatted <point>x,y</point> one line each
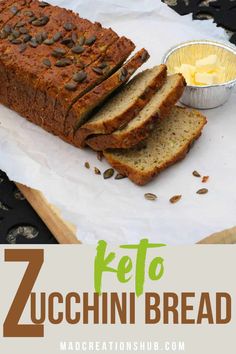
<point>116,210</point>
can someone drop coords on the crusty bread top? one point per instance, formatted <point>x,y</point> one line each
<point>167,143</point>
<point>65,56</point>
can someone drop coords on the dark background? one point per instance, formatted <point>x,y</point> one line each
<point>19,224</point>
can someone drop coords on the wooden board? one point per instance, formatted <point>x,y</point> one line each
<point>65,233</point>
<point>226,237</point>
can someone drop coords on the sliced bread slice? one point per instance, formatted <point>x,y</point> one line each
<point>169,142</point>
<point>124,106</point>
<point>140,127</point>
<point>82,110</point>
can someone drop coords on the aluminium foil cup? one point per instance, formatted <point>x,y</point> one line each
<point>210,96</point>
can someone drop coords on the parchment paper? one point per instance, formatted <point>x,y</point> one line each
<point>116,210</point>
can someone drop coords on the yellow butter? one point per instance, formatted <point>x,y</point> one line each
<point>206,78</point>
<point>188,71</point>
<point>207,64</point>
<point>206,71</point>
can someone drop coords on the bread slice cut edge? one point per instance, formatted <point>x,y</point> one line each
<point>130,136</point>
<point>135,173</point>
<point>121,118</point>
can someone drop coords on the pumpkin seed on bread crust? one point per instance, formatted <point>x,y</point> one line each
<point>101,93</point>
<point>84,107</point>
<point>65,98</point>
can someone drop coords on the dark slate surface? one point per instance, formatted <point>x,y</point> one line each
<point>222,11</point>
<point>19,224</point>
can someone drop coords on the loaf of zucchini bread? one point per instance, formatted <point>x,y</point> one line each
<point>50,58</point>
<point>68,75</point>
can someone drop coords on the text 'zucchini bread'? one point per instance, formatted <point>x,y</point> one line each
<point>50,58</point>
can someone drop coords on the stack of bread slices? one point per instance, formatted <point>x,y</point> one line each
<point>140,130</point>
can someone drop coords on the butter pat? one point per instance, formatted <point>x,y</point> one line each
<point>206,78</point>
<point>207,64</point>
<point>206,71</point>
<point>188,71</point>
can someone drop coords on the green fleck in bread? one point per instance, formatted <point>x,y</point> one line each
<point>168,143</point>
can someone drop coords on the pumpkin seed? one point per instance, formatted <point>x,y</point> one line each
<point>7,29</point>
<point>67,41</point>
<point>87,165</point>
<point>99,155</point>
<point>81,40</point>
<point>202,191</point>
<point>32,19</point>
<point>68,26</point>
<point>144,56</point>
<point>20,24</point>
<point>23,30</point>
<point>39,38</point>
<point>80,76</point>
<point>123,74</point>
<point>16,41</point>
<point>102,65</point>
<point>22,48</point>
<point>33,43</point>
<point>16,34</point>
<point>122,78</point>
<point>175,199</point>
<point>47,63</point>
<point>196,174</point>
<point>42,21</point>
<point>57,36</point>
<point>205,179</point>
<point>43,4</point>
<point>98,71</point>
<point>77,50</point>
<point>124,71</point>
<point>74,37</point>
<point>14,10</point>
<point>26,38</point>
<point>58,53</point>
<point>49,41</point>
<point>90,40</point>
<point>28,13</point>
<point>120,176</point>
<point>97,171</point>
<point>71,86</point>
<point>63,62</point>
<point>108,173</point>
<point>150,196</point>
